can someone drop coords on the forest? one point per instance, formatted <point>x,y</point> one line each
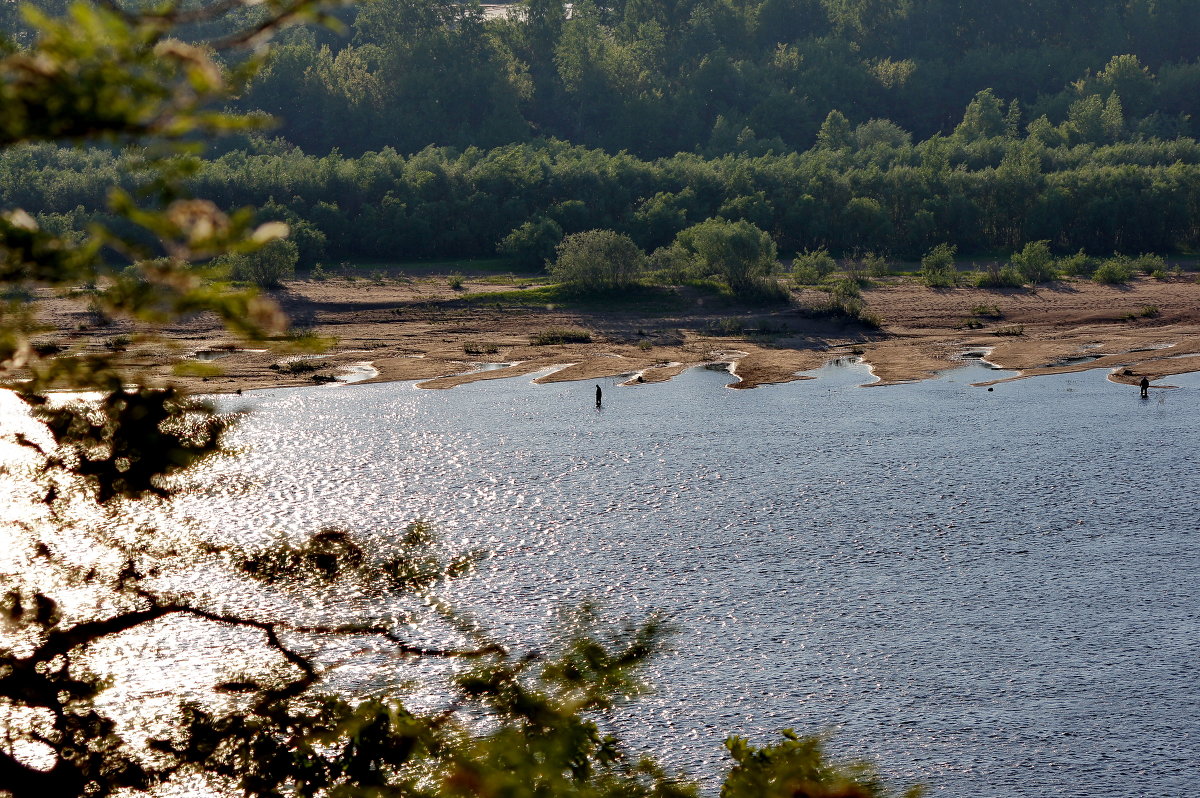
<point>430,129</point>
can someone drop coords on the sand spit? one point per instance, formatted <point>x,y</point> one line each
<point>420,330</point>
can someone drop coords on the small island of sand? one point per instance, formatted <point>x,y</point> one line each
<point>416,327</point>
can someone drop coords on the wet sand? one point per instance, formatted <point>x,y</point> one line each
<point>420,329</point>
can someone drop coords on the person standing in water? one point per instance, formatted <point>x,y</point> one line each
<point>599,396</point>
<point>1144,384</point>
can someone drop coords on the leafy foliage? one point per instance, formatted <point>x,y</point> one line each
<point>1035,263</point>
<point>810,266</point>
<point>533,243</point>
<point>266,268</point>
<point>1116,270</point>
<point>938,268</point>
<point>735,78</point>
<point>560,335</point>
<point>996,194</point>
<point>995,275</point>
<point>597,260</point>
<point>797,766</point>
<point>826,124</point>
<point>739,253</point>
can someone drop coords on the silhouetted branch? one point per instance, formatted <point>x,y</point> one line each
<point>403,646</point>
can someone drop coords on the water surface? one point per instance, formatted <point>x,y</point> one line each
<point>993,593</point>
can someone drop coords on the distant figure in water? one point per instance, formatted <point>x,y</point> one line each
<point>599,396</point>
<point>1144,384</point>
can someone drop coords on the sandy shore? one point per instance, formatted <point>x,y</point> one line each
<point>420,329</point>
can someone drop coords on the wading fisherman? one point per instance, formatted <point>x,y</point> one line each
<point>599,396</point>
<point>1144,384</point>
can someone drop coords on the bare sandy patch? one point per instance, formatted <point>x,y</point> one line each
<point>420,330</point>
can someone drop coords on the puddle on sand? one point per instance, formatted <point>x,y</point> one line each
<point>357,372</point>
<point>1152,347</point>
<point>477,368</point>
<point>1076,360</point>
<point>978,357</point>
<point>209,355</point>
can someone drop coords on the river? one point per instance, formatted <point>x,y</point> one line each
<point>994,593</point>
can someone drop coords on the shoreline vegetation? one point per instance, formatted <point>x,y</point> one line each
<point>444,330</point>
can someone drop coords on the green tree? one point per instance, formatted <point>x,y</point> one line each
<point>1112,118</point>
<point>597,260</point>
<point>1086,120</point>
<point>862,18</point>
<point>984,117</point>
<point>835,132</point>
<point>866,223</point>
<point>738,252</point>
<point>658,219</point>
<point>881,132</point>
<point>1034,263</point>
<point>533,243</point>
<point>755,209</point>
<point>266,268</point>
<point>1132,82</point>
<point>938,268</point>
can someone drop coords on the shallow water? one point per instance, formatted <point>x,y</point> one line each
<point>993,593</point>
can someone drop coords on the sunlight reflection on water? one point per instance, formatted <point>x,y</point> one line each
<point>993,593</point>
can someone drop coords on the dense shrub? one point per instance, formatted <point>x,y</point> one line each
<point>266,267</point>
<point>533,243</point>
<point>561,335</point>
<point>1077,265</point>
<point>597,260</point>
<point>670,265</point>
<point>868,264</point>
<point>810,265</point>
<point>845,289</point>
<point>937,267</point>
<point>1150,264</point>
<point>996,276</point>
<point>1034,263</point>
<point>738,253</point>
<point>1116,270</point>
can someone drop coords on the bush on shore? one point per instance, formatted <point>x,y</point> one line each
<point>938,269</point>
<point>597,260</point>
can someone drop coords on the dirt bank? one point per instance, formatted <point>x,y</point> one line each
<point>420,329</point>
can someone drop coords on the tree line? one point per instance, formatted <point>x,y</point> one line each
<point>427,130</point>
<point>864,187</point>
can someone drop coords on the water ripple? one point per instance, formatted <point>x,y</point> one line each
<point>993,593</point>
